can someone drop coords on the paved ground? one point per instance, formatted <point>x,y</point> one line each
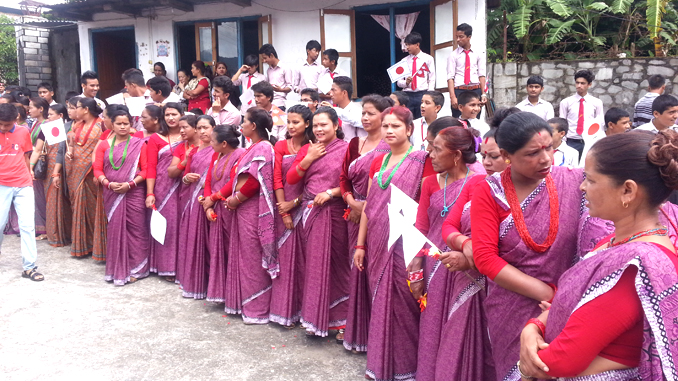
<point>75,326</point>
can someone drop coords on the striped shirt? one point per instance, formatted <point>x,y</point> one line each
<point>642,112</point>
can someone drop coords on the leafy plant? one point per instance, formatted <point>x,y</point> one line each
<point>9,70</point>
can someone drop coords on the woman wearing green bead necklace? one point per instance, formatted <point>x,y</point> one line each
<point>395,314</point>
<point>120,167</point>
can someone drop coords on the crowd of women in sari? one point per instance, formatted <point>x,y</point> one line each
<point>296,232</point>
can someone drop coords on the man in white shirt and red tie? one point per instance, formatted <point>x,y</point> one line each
<point>466,69</point>
<point>423,77</point>
<point>579,108</point>
<point>251,77</point>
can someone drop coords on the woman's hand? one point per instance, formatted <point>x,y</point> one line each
<point>56,181</point>
<point>150,201</point>
<point>321,198</point>
<point>356,211</point>
<point>32,174</point>
<point>285,206</point>
<point>210,215</point>
<point>315,151</point>
<point>191,178</point>
<point>231,202</point>
<point>96,181</point>
<point>545,306</point>
<point>456,261</point>
<point>417,289</point>
<point>531,342</point>
<point>207,203</point>
<point>287,220</point>
<point>69,154</point>
<point>119,187</point>
<point>358,259</point>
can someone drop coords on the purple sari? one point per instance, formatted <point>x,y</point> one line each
<point>656,285</point>
<point>288,287</point>
<point>453,340</point>
<point>252,250</point>
<point>394,322</point>
<point>192,266</point>
<point>220,230</point>
<point>508,311</point>
<point>328,269</point>
<point>163,258</point>
<point>359,301</point>
<point>127,231</point>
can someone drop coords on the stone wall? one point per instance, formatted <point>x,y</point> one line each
<point>618,83</point>
<point>33,55</point>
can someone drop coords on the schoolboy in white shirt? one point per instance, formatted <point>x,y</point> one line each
<point>423,76</point>
<point>431,104</point>
<point>533,103</point>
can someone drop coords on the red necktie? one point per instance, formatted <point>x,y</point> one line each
<point>414,73</point>
<point>249,84</point>
<point>580,120</point>
<point>467,70</point>
<point>332,75</point>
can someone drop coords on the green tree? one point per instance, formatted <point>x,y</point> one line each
<point>9,69</point>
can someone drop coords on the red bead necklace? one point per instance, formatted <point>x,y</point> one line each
<point>77,133</point>
<point>517,212</point>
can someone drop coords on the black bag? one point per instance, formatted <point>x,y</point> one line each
<point>40,168</point>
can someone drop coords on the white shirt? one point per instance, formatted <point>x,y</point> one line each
<point>228,114</point>
<point>308,76</point>
<point>283,77</point>
<point>542,109</point>
<point>565,155</point>
<point>326,76</point>
<point>456,65</point>
<point>569,109</point>
<point>479,125</point>
<point>53,102</point>
<point>426,73</point>
<point>651,127</point>
<point>418,138</point>
<point>351,120</point>
<point>101,104</point>
<point>244,80</point>
<point>173,97</point>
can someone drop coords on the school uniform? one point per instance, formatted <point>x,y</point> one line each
<point>351,120</point>
<point>566,156</point>
<point>649,126</point>
<point>247,81</point>
<point>577,110</point>
<point>423,79</point>
<point>542,108</point>
<point>282,76</point>
<point>229,114</point>
<point>100,103</point>
<point>466,67</point>
<point>326,75</point>
<point>418,137</point>
<point>477,124</point>
<point>307,76</point>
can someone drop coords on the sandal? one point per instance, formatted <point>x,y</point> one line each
<point>41,237</point>
<point>340,337</point>
<point>291,326</point>
<point>33,275</point>
<point>170,279</point>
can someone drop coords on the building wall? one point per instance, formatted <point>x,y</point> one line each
<point>618,83</point>
<point>65,61</point>
<point>292,27</point>
<point>33,56</point>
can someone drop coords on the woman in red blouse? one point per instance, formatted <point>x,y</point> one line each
<point>120,167</point>
<point>197,90</point>
<point>613,317</point>
<point>288,286</point>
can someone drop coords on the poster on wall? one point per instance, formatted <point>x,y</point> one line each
<point>162,47</point>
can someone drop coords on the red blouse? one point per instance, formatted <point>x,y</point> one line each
<point>280,150</point>
<point>98,165</point>
<point>153,146</point>
<point>432,185</point>
<point>609,326</point>
<point>352,153</point>
<point>105,134</point>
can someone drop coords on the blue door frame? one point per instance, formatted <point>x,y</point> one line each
<point>93,57</point>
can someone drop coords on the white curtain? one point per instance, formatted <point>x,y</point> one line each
<point>403,25</point>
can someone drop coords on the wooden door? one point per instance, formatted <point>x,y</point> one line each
<point>443,26</point>
<point>206,43</point>
<point>337,31</point>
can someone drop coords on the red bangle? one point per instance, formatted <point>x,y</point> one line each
<point>181,167</point>
<point>301,168</point>
<point>132,184</point>
<point>150,194</point>
<point>360,247</point>
<point>345,194</point>
<point>216,197</point>
<point>286,215</point>
<point>416,276</point>
<point>539,324</point>
<point>467,240</point>
<point>555,289</point>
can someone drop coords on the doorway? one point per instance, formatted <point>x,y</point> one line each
<point>114,51</point>
<point>373,49</point>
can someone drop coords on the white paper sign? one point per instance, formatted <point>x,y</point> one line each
<point>247,98</point>
<point>135,105</point>
<point>117,99</point>
<point>54,131</point>
<point>399,71</point>
<point>158,226</point>
<point>325,84</point>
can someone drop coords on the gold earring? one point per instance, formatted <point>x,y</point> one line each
<point>507,161</point>
<point>625,204</point>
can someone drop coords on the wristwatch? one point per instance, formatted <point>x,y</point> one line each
<point>329,193</point>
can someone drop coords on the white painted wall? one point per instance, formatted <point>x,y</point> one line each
<point>292,27</point>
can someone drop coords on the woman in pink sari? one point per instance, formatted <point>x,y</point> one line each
<point>162,191</point>
<point>252,250</point>
<point>614,316</point>
<point>225,141</point>
<point>394,322</point>
<point>191,162</point>
<point>325,234</point>
<point>120,167</point>
<point>288,287</point>
<point>353,183</point>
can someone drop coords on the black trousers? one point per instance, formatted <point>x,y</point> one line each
<point>455,112</point>
<point>577,144</point>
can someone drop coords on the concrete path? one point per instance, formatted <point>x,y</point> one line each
<point>75,326</point>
